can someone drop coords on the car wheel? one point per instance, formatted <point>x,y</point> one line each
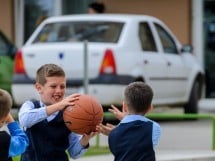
<point>192,105</point>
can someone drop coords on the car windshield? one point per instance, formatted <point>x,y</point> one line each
<point>80,31</point>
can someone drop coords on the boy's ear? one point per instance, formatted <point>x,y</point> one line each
<point>124,107</point>
<point>38,87</point>
<point>150,108</point>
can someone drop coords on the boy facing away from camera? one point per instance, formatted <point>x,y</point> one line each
<point>15,142</point>
<point>136,136</point>
<point>43,120</point>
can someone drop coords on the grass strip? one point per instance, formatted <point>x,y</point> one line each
<point>92,151</point>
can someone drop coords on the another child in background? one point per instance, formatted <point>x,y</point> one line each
<point>43,120</point>
<point>136,136</point>
<point>15,142</point>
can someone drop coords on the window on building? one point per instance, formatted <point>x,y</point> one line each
<point>38,10</point>
<point>35,12</point>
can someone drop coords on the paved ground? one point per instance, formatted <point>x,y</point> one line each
<point>165,156</point>
<point>180,141</point>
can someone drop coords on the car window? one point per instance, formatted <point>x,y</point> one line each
<point>168,43</point>
<point>146,37</point>
<point>93,31</point>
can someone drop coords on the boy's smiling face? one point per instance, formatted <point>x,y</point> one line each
<point>53,90</point>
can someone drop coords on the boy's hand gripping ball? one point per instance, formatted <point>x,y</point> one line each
<point>83,117</point>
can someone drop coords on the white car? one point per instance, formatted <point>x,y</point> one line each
<point>116,49</point>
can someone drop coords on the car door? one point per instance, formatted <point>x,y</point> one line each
<point>178,71</point>
<point>154,65</point>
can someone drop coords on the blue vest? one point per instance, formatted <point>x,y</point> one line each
<point>132,141</point>
<point>4,146</point>
<point>48,140</point>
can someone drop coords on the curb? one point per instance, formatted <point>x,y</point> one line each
<point>164,156</point>
<point>186,156</point>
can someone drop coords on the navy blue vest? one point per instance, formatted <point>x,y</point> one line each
<point>48,140</point>
<point>4,146</point>
<point>132,142</point>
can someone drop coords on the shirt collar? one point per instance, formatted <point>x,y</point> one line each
<point>130,118</point>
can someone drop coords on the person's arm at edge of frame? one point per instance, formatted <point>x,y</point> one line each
<point>19,141</point>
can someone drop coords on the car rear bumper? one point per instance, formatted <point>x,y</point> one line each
<point>101,79</point>
<point>106,94</point>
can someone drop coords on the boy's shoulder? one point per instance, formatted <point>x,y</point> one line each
<point>36,103</point>
<point>33,102</point>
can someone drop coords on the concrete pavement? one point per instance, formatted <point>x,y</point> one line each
<point>164,156</point>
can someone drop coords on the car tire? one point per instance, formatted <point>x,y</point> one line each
<point>192,105</point>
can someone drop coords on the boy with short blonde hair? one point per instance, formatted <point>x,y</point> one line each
<point>43,120</point>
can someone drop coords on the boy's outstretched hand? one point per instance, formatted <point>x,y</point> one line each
<point>117,113</point>
<point>105,129</point>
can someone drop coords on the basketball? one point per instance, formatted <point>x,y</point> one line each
<point>83,117</point>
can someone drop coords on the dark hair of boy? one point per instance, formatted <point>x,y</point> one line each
<point>138,97</point>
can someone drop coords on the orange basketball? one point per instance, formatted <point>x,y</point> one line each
<point>84,115</point>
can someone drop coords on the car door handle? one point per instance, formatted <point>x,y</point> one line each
<point>30,55</point>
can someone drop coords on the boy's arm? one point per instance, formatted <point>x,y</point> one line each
<point>75,149</point>
<point>156,134</point>
<point>29,116</point>
<point>68,101</point>
<point>19,140</point>
<point>79,144</point>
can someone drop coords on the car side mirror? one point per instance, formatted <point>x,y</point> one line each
<point>187,48</point>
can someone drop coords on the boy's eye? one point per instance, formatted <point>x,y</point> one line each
<point>2,122</point>
<point>62,87</point>
<point>53,86</point>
